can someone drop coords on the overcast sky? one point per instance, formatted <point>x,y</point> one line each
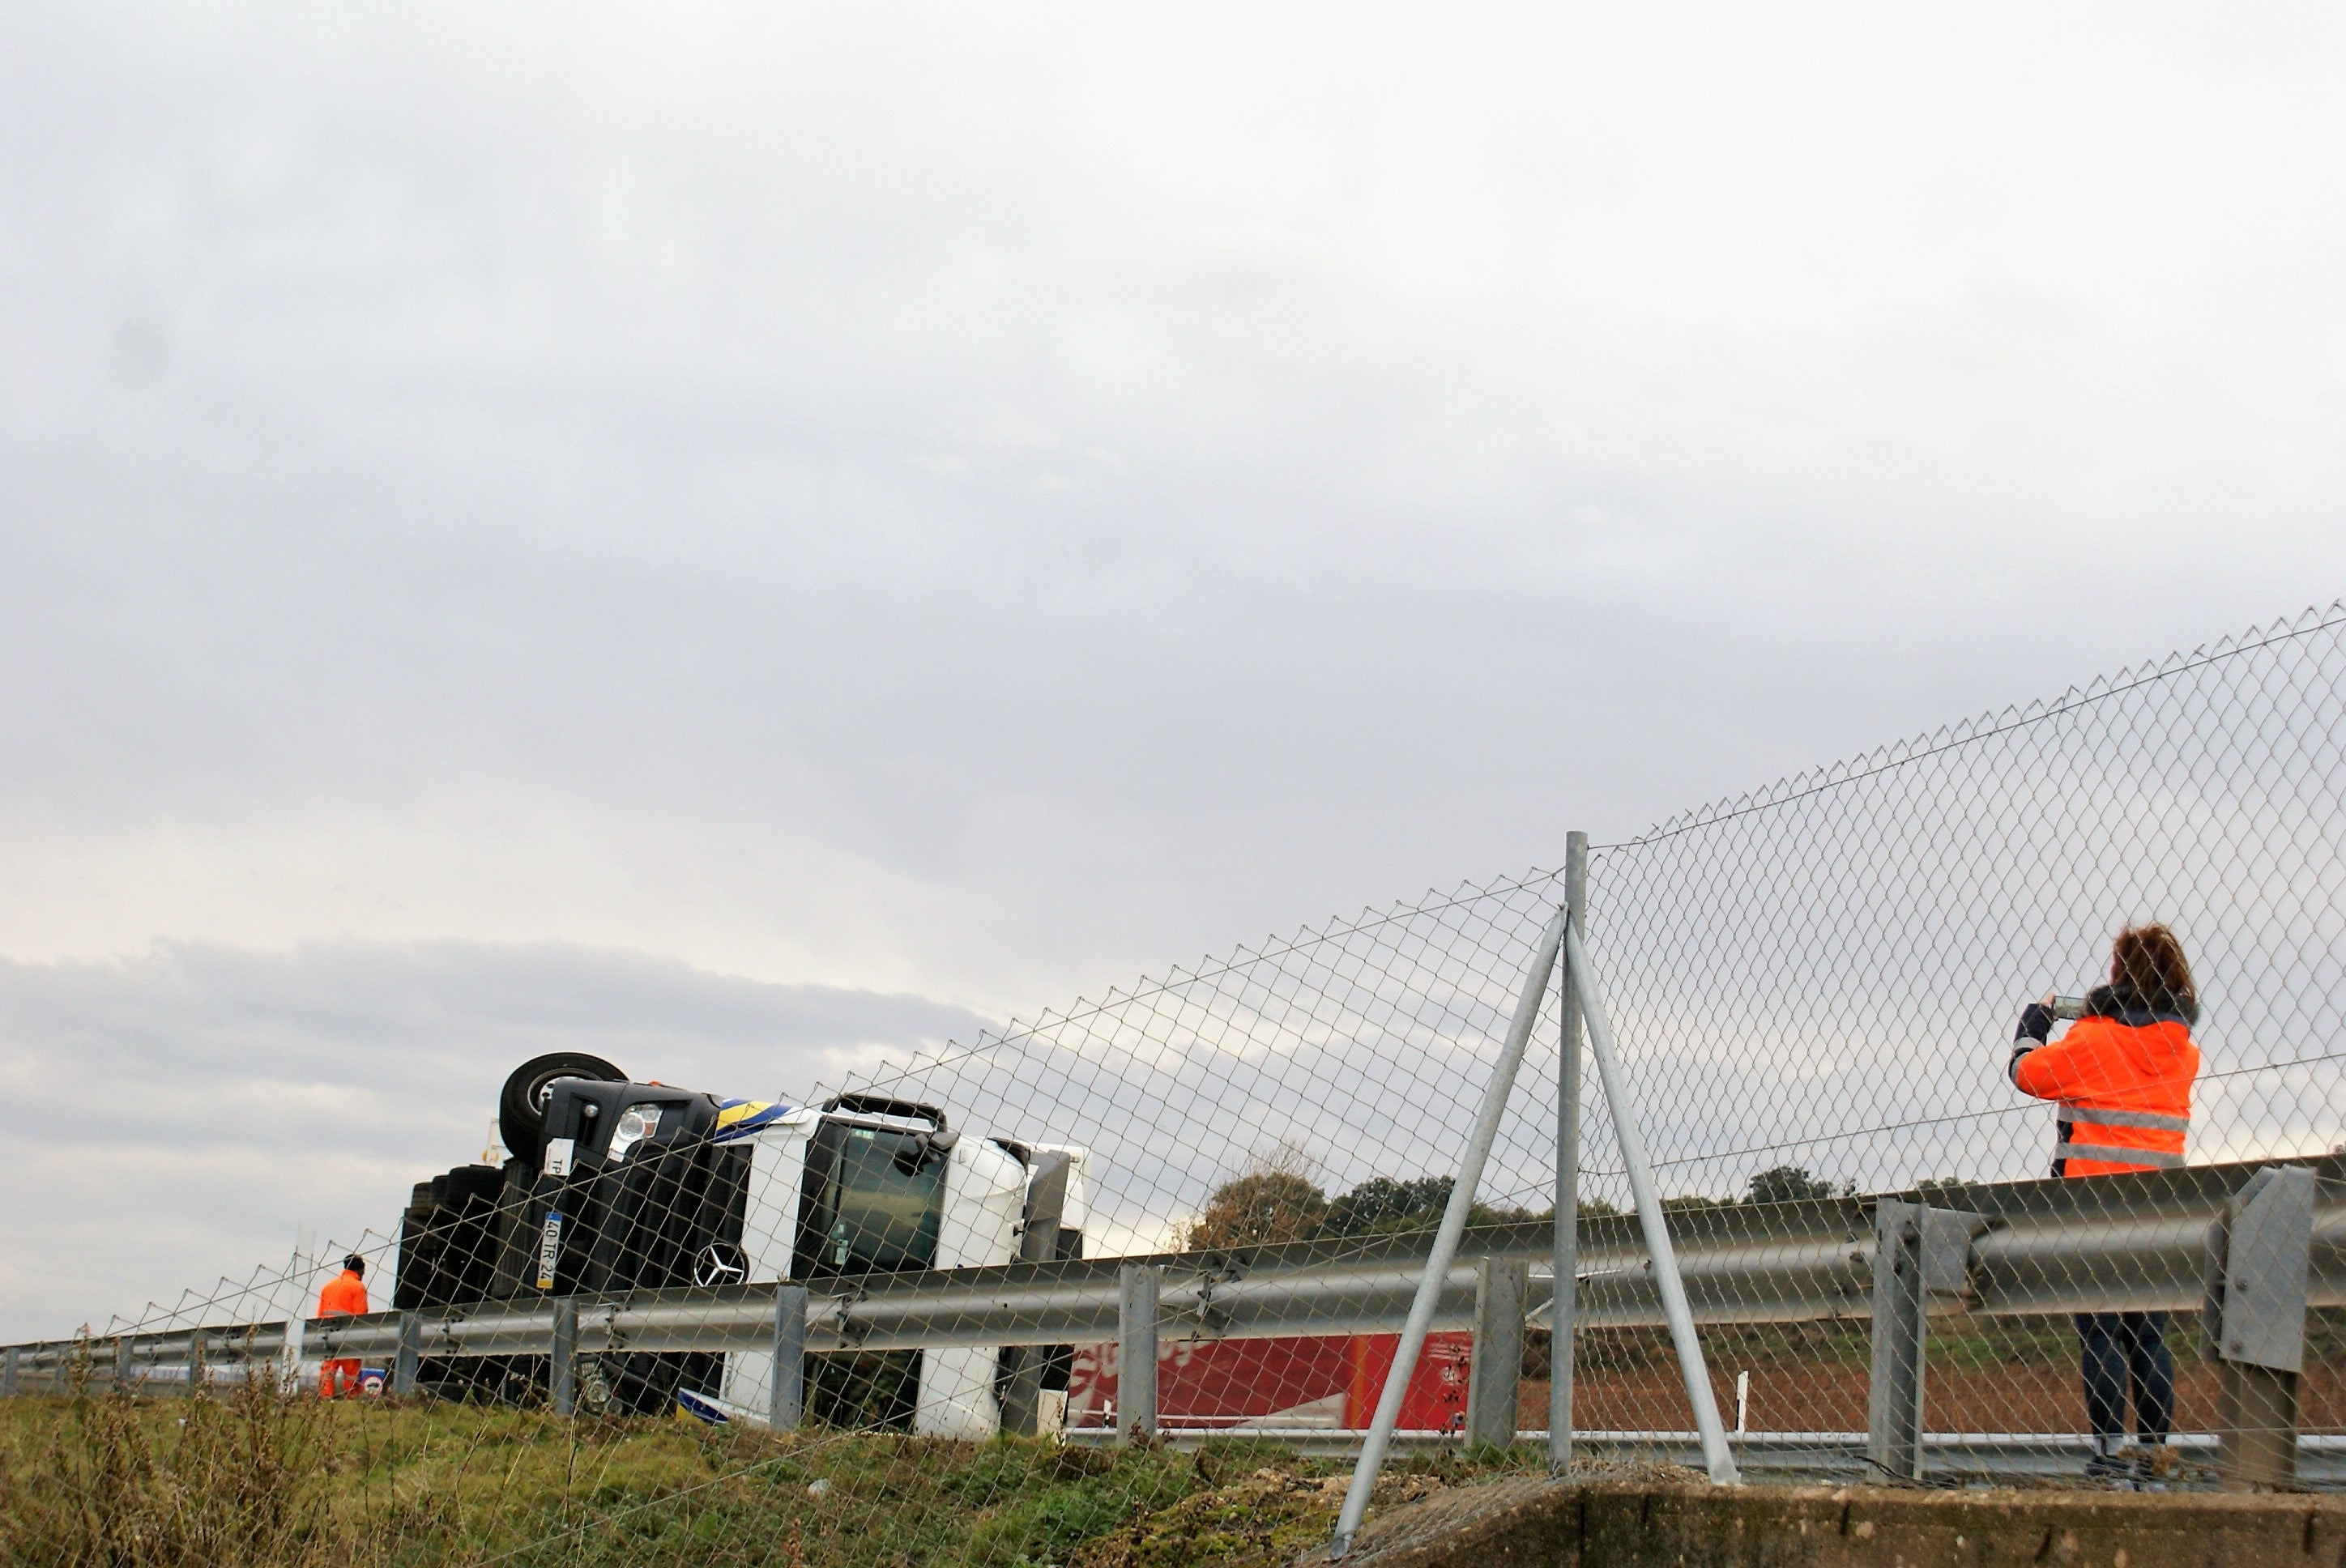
<point>752,538</point>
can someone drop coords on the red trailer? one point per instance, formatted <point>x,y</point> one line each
<point>1330,1383</point>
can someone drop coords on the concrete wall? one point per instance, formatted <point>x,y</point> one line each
<point>1627,1525</point>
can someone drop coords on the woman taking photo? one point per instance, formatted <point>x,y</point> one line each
<point>2122,1076</point>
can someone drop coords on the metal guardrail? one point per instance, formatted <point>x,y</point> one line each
<point>2116,1244</point>
<point>2126,1243</point>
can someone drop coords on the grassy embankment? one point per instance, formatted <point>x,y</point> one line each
<point>257,1482</point>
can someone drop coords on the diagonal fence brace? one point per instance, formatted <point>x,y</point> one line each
<point>1445,1240</point>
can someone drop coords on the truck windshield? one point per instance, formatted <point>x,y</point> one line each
<point>868,1213</point>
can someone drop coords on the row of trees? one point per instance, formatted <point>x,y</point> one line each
<point>1277,1201</point>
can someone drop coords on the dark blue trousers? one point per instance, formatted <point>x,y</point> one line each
<point>2125,1348</point>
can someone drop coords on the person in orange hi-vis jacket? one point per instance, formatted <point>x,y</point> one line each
<point>344,1297</point>
<point>2122,1076</point>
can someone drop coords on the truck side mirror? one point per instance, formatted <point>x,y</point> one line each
<point>924,1151</point>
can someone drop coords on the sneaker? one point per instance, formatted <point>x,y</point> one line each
<point>2112,1469</point>
<point>2154,1465</point>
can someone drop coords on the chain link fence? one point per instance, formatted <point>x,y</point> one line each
<point>1814,988</point>
<point>1818,984</point>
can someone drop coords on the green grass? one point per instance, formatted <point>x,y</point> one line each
<point>252,1480</point>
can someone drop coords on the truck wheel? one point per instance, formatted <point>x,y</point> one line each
<point>521,1110</point>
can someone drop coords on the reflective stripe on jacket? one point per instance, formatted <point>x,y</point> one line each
<point>2124,1086</point>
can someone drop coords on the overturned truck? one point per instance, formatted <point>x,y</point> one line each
<point>613,1186</point>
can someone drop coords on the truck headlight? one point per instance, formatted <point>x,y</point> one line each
<point>636,1124</point>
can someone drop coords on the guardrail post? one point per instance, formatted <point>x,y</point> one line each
<point>1018,1389</point>
<point>1893,1390</point>
<point>409,1357</point>
<point>1563,1305</point>
<point>122,1364</point>
<point>1920,1254</point>
<point>1494,1378</point>
<point>1136,1354</point>
<point>197,1370</point>
<point>2253,1327</point>
<point>8,1373</point>
<point>786,1406</point>
<point>562,1381</point>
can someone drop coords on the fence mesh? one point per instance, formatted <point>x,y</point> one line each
<point>1817,983</point>
<point>1814,989</point>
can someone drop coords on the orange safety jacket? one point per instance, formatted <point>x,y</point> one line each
<point>2124,1086</point>
<point>344,1295</point>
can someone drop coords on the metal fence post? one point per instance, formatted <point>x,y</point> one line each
<point>2256,1322</point>
<point>1445,1239</point>
<point>1565,1304</point>
<point>562,1381</point>
<point>297,1311</point>
<point>1494,1378</point>
<point>1718,1459</point>
<point>8,1373</point>
<point>1136,1353</point>
<point>409,1357</point>
<point>786,1402</point>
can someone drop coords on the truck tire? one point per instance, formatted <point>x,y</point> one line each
<point>521,1117</point>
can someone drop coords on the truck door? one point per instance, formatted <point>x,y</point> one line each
<point>873,1202</point>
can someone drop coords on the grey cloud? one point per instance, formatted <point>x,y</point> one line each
<point>973,506</point>
<point>186,1109</point>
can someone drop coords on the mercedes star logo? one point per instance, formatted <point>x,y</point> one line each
<point>719,1263</point>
